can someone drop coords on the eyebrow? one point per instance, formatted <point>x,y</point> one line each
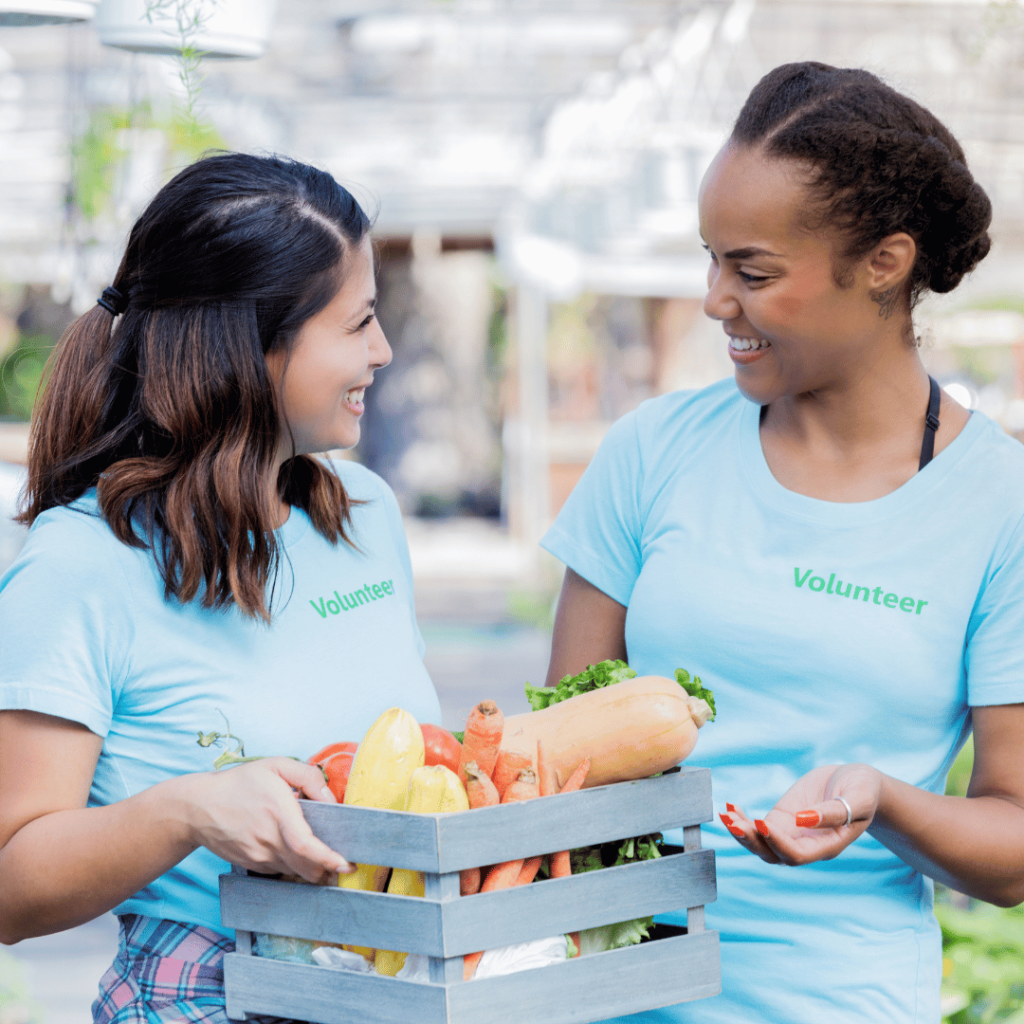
<point>748,252</point>
<point>745,253</point>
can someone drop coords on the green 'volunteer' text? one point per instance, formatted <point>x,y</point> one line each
<point>356,599</point>
<point>869,595</point>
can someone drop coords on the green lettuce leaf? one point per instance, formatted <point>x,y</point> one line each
<point>695,688</point>
<point>592,858</point>
<point>593,677</point>
<point>606,673</point>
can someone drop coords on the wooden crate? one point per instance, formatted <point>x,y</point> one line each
<point>445,925</point>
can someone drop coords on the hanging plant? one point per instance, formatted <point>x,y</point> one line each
<point>191,18</point>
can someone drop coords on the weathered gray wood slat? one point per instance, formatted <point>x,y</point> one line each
<point>577,991</point>
<point>442,843</point>
<point>560,905</point>
<point>452,927</point>
<point>329,914</point>
<point>326,996</point>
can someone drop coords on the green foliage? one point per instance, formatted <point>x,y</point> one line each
<point>95,156</point>
<point>21,370</point>
<point>98,153</point>
<point>983,954</point>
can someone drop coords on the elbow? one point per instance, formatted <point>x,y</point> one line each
<point>1006,893</point>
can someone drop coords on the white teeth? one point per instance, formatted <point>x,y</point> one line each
<point>356,396</point>
<point>748,344</point>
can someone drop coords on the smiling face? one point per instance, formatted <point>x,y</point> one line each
<point>791,329</point>
<point>322,377</point>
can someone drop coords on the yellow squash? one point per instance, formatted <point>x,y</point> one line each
<point>385,760</point>
<point>432,790</point>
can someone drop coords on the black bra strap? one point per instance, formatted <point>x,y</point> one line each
<point>931,424</point>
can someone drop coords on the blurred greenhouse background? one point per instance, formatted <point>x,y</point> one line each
<point>533,167</point>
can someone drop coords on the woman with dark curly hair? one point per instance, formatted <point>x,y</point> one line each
<point>192,563</point>
<point>836,547</point>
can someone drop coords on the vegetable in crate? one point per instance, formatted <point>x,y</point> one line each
<point>441,747</point>
<point>433,789</point>
<point>630,726</point>
<point>390,752</point>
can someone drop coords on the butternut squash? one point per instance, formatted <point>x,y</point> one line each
<point>385,760</point>
<point>434,789</point>
<point>630,730</point>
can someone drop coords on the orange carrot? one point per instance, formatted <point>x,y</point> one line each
<point>524,788</point>
<point>469,964</point>
<point>559,863</point>
<point>506,875</point>
<point>502,876</point>
<point>578,777</point>
<point>547,779</point>
<point>481,793</point>
<point>482,738</point>
<point>529,870</point>
<point>469,881</point>
<point>507,768</point>
<point>479,788</point>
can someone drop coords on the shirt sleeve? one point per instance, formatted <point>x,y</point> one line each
<point>65,622</point>
<point>994,656</point>
<point>597,534</point>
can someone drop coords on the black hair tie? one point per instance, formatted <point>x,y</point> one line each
<point>112,301</point>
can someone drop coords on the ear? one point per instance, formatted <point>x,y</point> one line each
<point>891,261</point>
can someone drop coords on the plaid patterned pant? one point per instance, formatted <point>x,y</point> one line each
<point>166,973</point>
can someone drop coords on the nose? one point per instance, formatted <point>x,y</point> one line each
<point>720,303</point>
<point>380,350</point>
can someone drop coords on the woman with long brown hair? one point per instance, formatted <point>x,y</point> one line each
<point>837,548</point>
<point>194,573</point>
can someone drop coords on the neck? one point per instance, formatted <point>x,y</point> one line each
<point>872,406</point>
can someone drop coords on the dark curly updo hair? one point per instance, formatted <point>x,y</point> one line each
<point>881,164</point>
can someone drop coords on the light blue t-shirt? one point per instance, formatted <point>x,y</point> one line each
<point>830,633</point>
<point>86,635</point>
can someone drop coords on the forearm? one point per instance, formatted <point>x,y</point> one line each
<point>69,866</point>
<point>972,844</point>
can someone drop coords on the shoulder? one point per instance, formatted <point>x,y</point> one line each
<point>690,410</point>
<point>360,483</point>
<point>681,424</point>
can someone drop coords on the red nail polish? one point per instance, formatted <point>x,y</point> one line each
<point>808,819</point>
<point>730,808</point>
<point>762,827</point>
<point>726,820</point>
<point>736,831</point>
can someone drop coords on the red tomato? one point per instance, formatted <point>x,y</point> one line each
<point>337,768</point>
<point>441,747</point>
<point>330,750</point>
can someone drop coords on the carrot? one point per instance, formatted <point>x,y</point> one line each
<point>524,788</point>
<point>479,788</point>
<point>547,779</point>
<point>508,766</point>
<point>470,962</point>
<point>578,777</point>
<point>482,738</point>
<point>502,876</point>
<point>529,870</point>
<point>469,881</point>
<point>505,875</point>
<point>559,863</point>
<point>481,793</point>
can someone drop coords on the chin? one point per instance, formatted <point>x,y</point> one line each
<point>753,390</point>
